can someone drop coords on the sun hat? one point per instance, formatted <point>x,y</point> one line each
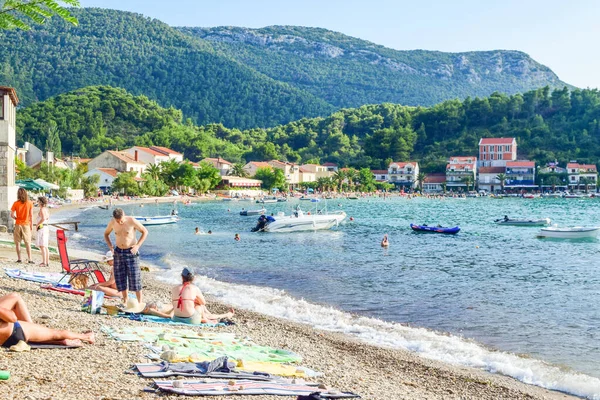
<point>108,256</point>
<point>133,306</point>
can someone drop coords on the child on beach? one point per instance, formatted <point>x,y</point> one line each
<point>16,326</point>
<point>109,287</point>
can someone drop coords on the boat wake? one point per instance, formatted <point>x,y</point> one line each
<point>446,348</point>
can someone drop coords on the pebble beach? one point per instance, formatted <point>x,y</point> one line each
<point>103,370</point>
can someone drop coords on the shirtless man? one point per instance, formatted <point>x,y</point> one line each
<point>189,305</point>
<point>126,252</point>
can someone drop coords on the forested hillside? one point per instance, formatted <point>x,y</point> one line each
<point>350,72</point>
<point>548,125</point>
<point>148,57</point>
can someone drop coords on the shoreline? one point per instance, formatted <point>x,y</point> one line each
<point>408,375</point>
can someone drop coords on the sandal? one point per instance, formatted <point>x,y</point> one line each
<point>42,265</point>
<point>19,261</point>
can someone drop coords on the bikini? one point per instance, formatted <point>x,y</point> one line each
<point>195,318</point>
<point>16,337</point>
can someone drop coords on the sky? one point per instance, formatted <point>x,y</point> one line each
<point>560,34</point>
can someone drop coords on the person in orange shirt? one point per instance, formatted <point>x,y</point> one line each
<point>22,213</point>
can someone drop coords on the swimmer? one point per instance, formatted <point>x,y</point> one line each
<point>385,242</point>
<point>237,237</point>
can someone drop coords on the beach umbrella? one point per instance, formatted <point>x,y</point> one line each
<point>46,185</point>
<point>29,184</point>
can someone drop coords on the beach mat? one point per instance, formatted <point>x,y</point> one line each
<point>151,334</point>
<point>166,369</point>
<point>35,276</point>
<point>168,321</point>
<point>248,387</point>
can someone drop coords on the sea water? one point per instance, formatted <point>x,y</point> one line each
<point>492,297</point>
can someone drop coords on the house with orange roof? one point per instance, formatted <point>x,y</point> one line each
<point>487,178</point>
<point>107,177</point>
<point>320,171</point>
<point>403,173</point>
<point>434,183</point>
<point>221,164</point>
<point>146,155</point>
<point>582,175</point>
<point>253,166</point>
<point>496,152</point>
<point>172,154</point>
<point>290,170</point>
<point>458,170</point>
<point>119,160</point>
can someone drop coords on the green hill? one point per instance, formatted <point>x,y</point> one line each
<point>350,72</point>
<point>549,125</point>
<point>146,56</point>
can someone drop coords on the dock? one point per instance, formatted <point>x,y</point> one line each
<point>59,225</point>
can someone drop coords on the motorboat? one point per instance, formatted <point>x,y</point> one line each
<point>576,232</point>
<point>435,229</point>
<point>568,195</point>
<point>246,213</point>
<point>304,198</point>
<point>230,199</point>
<point>265,200</point>
<point>352,197</point>
<point>282,199</point>
<point>300,221</point>
<point>523,222</point>
<point>157,220</point>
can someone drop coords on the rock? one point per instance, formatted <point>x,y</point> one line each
<point>3,228</point>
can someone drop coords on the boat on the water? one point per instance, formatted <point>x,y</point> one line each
<point>253,212</point>
<point>265,200</point>
<point>576,232</point>
<point>304,198</point>
<point>282,199</point>
<point>300,221</point>
<point>523,222</point>
<point>352,198</point>
<point>435,229</point>
<point>157,220</point>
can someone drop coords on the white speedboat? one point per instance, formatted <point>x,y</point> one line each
<point>158,220</point>
<point>266,200</point>
<point>301,221</point>
<point>576,232</point>
<point>523,222</point>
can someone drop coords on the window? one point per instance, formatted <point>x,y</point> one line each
<point>573,178</point>
<point>507,149</point>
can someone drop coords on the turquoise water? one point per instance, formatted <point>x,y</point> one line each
<point>498,286</point>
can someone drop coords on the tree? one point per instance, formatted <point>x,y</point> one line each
<point>168,171</point>
<point>468,180</point>
<point>89,184</point>
<point>208,172</point>
<point>502,178</point>
<point>421,180</point>
<point>584,181</point>
<point>352,176</point>
<point>366,179</point>
<point>553,181</point>
<point>238,170</point>
<point>339,177</point>
<point>52,139</point>
<point>444,187</point>
<point>271,178</point>
<point>12,12</point>
<point>153,172</point>
<point>125,183</point>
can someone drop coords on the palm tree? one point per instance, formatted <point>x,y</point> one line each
<point>352,175</point>
<point>153,171</point>
<point>339,176</point>
<point>238,170</point>
<point>468,180</point>
<point>584,181</point>
<point>444,186</point>
<point>553,180</point>
<point>323,183</point>
<point>421,179</point>
<point>502,178</point>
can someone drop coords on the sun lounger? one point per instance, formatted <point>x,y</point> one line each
<point>247,387</point>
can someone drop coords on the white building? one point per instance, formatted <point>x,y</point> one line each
<point>320,171</point>
<point>8,147</point>
<point>434,183</point>
<point>403,174</point>
<point>147,155</point>
<point>306,175</point>
<point>458,170</point>
<point>119,160</point>
<point>487,180</point>
<point>579,174</point>
<point>331,167</point>
<point>254,166</point>
<point>107,177</point>
<point>32,156</point>
<point>380,175</point>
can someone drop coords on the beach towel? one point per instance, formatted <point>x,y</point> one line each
<point>34,276</point>
<point>39,346</point>
<point>198,370</point>
<point>168,321</point>
<point>151,334</point>
<point>247,387</point>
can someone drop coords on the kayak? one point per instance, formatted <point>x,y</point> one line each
<point>435,229</point>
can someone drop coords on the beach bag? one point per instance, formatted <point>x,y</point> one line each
<point>312,396</point>
<point>92,301</point>
<point>79,281</point>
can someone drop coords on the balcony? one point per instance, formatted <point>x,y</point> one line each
<point>519,182</point>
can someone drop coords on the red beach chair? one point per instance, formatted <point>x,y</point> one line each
<point>78,266</point>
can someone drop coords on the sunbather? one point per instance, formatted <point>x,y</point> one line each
<point>189,305</point>
<point>16,325</point>
<point>110,286</point>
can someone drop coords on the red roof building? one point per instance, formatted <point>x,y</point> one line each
<point>496,152</point>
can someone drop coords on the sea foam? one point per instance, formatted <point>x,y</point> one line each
<point>442,347</point>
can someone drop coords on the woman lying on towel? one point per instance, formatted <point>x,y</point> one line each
<point>189,305</point>
<point>16,325</point>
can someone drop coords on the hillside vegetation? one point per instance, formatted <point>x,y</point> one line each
<point>548,125</point>
<point>350,72</point>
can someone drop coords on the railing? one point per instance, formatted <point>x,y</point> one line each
<point>519,182</point>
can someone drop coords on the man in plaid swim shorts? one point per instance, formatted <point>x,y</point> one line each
<point>126,252</point>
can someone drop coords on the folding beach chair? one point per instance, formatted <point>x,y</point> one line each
<point>76,267</point>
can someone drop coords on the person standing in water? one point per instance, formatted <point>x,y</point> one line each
<point>385,242</point>
<point>126,252</point>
